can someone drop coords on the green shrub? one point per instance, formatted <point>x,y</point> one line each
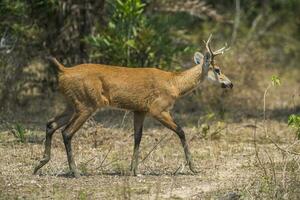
<point>131,39</point>
<point>294,121</point>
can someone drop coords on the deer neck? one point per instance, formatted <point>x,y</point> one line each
<point>188,80</point>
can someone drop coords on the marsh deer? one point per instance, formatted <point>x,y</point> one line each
<point>88,87</point>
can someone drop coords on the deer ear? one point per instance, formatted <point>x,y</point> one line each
<point>198,57</point>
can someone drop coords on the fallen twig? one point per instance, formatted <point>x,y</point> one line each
<point>101,164</point>
<point>284,150</point>
<point>153,148</point>
<point>256,152</point>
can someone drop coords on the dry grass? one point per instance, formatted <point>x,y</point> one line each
<point>228,164</point>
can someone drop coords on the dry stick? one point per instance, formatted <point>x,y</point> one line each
<point>256,151</point>
<point>284,171</point>
<point>113,161</point>
<point>272,164</point>
<point>90,160</point>
<point>297,162</point>
<point>180,167</point>
<point>265,95</point>
<point>172,185</point>
<point>218,130</point>
<point>294,103</point>
<point>296,142</point>
<point>154,147</point>
<point>124,117</point>
<point>286,161</point>
<point>101,164</point>
<point>286,151</point>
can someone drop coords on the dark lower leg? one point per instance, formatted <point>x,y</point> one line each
<point>134,161</point>
<point>138,131</point>
<point>72,165</point>
<point>47,152</point>
<point>184,144</point>
<point>51,127</point>
<point>166,119</point>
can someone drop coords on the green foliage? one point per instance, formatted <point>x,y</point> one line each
<point>19,132</point>
<point>275,80</point>
<point>209,128</point>
<point>204,129</point>
<point>130,39</point>
<point>294,121</point>
<point>212,132</point>
<point>82,195</point>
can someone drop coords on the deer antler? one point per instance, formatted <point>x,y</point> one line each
<point>222,50</point>
<point>215,53</point>
<point>207,43</point>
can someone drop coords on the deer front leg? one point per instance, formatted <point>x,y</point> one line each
<point>138,118</point>
<point>166,119</point>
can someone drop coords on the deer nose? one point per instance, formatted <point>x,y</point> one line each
<point>230,85</point>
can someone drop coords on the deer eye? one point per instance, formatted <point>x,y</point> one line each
<point>217,71</point>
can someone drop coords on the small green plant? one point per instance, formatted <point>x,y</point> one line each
<point>275,81</point>
<point>19,132</point>
<point>294,121</point>
<point>83,168</point>
<point>82,195</point>
<point>207,130</point>
<point>204,129</point>
<point>216,134</point>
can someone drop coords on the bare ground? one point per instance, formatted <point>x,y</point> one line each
<point>226,160</point>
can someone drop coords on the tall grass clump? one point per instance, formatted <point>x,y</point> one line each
<point>19,132</point>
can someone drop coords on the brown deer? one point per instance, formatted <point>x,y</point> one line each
<point>88,87</point>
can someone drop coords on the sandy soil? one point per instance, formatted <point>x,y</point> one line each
<point>226,161</point>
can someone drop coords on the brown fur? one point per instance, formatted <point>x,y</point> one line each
<point>136,89</point>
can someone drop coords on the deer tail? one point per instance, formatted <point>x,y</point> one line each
<point>58,65</point>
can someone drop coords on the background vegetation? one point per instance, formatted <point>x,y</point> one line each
<point>163,34</point>
<point>264,37</point>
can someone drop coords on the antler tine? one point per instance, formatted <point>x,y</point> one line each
<point>208,45</point>
<point>221,51</point>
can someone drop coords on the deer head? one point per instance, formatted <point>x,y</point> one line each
<point>211,71</point>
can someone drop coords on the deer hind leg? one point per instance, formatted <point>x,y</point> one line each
<point>51,127</point>
<point>166,119</point>
<point>77,121</point>
<point>138,118</point>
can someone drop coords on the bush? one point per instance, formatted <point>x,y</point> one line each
<point>294,121</point>
<point>129,39</point>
